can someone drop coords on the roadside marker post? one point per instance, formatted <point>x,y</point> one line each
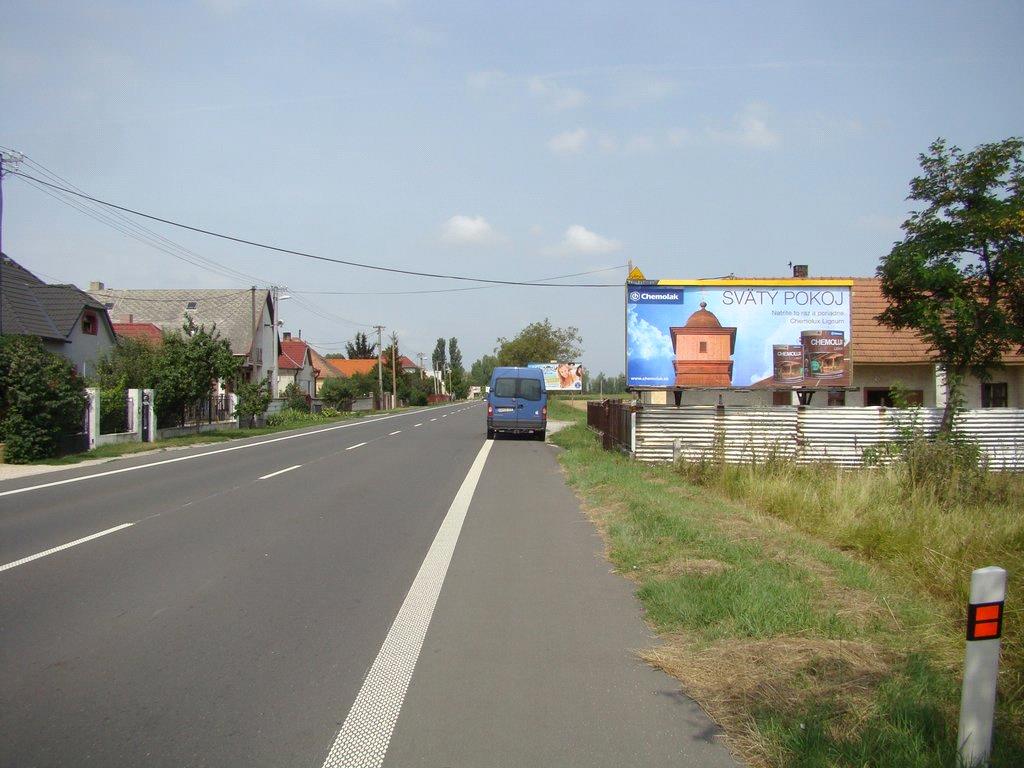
<point>981,664</point>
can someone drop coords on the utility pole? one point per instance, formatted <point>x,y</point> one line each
<point>12,159</point>
<point>394,387</point>
<point>380,372</point>
<point>273,384</point>
<point>420,355</point>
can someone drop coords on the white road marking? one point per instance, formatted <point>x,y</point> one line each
<point>365,735</point>
<point>279,472</point>
<point>396,432</point>
<point>62,547</point>
<point>418,425</point>
<point>357,445</point>
<point>433,419</point>
<point>191,456</point>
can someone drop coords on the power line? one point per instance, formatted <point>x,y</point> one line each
<point>450,290</point>
<point>257,244</point>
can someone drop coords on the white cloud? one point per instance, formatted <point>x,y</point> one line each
<point>568,142</point>
<point>468,230</point>
<point>646,342</point>
<point>485,80</point>
<point>556,96</point>
<point>578,240</point>
<point>748,129</point>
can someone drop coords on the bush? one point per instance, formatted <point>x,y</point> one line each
<point>41,399</point>
<point>113,410</point>
<point>295,399</point>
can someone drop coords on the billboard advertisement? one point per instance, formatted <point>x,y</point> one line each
<point>739,334</point>
<point>561,377</point>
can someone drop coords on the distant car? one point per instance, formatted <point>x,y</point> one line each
<point>517,401</point>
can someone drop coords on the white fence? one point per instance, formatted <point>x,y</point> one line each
<point>839,435</point>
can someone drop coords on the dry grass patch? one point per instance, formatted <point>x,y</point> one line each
<point>733,679</point>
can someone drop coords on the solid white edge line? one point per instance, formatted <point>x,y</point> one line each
<point>191,456</point>
<point>363,739</point>
<point>357,445</point>
<point>279,472</point>
<point>70,544</point>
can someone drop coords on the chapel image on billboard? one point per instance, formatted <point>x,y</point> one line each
<point>740,334</point>
<point>561,377</point>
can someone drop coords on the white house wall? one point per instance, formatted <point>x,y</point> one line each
<point>85,349</point>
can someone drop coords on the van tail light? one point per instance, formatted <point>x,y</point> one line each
<point>490,409</point>
<point>544,411</point>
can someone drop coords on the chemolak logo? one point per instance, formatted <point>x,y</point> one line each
<point>644,296</point>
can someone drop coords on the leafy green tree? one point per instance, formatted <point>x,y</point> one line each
<point>360,348</point>
<point>439,358</point>
<point>480,372</point>
<point>460,387</point>
<point>188,366</point>
<point>253,400</point>
<point>41,399</point>
<point>540,343</point>
<point>957,278</point>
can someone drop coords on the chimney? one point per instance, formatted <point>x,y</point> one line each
<point>93,287</point>
<point>799,270</point>
<point>127,319</point>
<point>286,336</point>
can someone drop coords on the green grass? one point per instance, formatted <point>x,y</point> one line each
<point>808,650</point>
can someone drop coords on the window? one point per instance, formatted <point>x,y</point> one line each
<point>529,389</point>
<point>192,305</point>
<point>994,394</point>
<point>90,325</point>
<point>505,388</point>
<point>882,396</point>
<point>109,305</point>
<point>836,397</point>
<point>703,346</point>
<point>782,397</point>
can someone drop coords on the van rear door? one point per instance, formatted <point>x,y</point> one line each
<point>504,403</point>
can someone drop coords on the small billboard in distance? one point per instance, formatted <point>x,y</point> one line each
<point>761,334</point>
<point>561,377</point>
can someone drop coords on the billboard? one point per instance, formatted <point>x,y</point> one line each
<point>740,334</point>
<point>561,377</point>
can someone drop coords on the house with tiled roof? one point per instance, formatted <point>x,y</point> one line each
<point>148,333</point>
<point>295,366</point>
<point>324,369</point>
<point>67,320</point>
<point>243,316</point>
<point>351,367</point>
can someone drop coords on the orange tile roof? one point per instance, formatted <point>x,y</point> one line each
<point>350,367</point>
<point>147,332</point>
<point>293,354</point>
<point>873,342</point>
<point>323,366</point>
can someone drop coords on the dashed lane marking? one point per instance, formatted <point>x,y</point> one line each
<point>365,735</point>
<point>418,425</point>
<point>396,432</point>
<point>279,472</point>
<point>357,445</point>
<point>62,547</point>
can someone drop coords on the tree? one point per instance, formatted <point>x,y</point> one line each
<point>459,385</point>
<point>957,278</point>
<point>189,364</point>
<point>438,357</point>
<point>253,399</point>
<point>41,399</point>
<point>540,343</point>
<point>360,348</point>
<point>480,372</point>
<point>295,399</point>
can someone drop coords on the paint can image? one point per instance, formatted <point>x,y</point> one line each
<point>788,363</point>
<point>824,354</point>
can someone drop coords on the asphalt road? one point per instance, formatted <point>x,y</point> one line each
<point>398,592</point>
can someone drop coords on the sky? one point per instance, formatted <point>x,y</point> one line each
<point>501,140</point>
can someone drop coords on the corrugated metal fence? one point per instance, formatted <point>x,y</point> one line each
<point>839,435</point>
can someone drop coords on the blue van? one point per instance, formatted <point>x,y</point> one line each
<point>517,402</point>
